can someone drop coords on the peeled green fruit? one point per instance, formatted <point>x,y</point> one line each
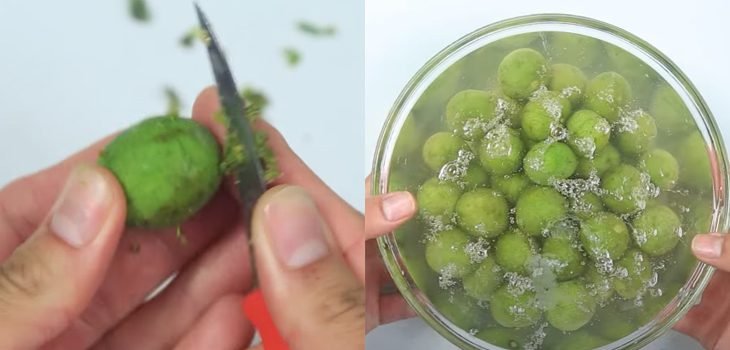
<point>169,168</point>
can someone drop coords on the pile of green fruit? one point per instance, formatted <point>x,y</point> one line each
<point>560,200</point>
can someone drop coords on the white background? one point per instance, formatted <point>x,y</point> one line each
<point>401,35</point>
<point>74,71</point>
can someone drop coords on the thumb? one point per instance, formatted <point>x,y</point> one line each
<point>314,298</point>
<point>49,280</point>
<point>714,249</point>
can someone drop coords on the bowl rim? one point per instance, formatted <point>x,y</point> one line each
<point>690,293</point>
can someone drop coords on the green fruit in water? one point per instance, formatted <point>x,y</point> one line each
<point>604,236</point>
<point>641,78</point>
<point>409,137</point>
<point>468,112</point>
<point>565,259</point>
<point>572,306</point>
<point>446,253</point>
<point>474,176</point>
<point>662,167</point>
<point>522,72</point>
<point>544,114</point>
<point>549,161</point>
<point>501,151</point>
<point>538,208</point>
<point>508,338</point>
<point>694,163</point>
<point>607,94</point>
<point>657,230</point>
<point>633,274</point>
<point>586,205</point>
<point>512,251</point>
<point>441,148</point>
<point>581,340</point>
<point>169,168</point>
<point>487,277</point>
<point>514,308</point>
<point>613,325</point>
<point>599,284</point>
<point>437,198</point>
<point>460,309</point>
<point>672,115</point>
<point>578,50</point>
<point>511,186</point>
<point>605,159</point>
<point>588,133</point>
<point>482,212</point>
<point>626,190</point>
<point>635,132</point>
<point>569,81</point>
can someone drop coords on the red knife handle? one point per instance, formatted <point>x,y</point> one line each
<point>254,306</point>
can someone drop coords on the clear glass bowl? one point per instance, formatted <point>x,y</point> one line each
<point>666,69</point>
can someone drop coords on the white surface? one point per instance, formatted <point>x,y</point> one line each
<point>401,35</point>
<point>74,71</point>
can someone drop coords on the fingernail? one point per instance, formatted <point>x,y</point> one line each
<point>80,210</point>
<point>295,227</point>
<point>708,246</point>
<point>397,206</point>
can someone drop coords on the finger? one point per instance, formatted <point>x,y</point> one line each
<point>49,279</point>
<point>346,223</point>
<point>386,212</point>
<point>713,249</point>
<point>222,327</point>
<point>24,203</point>
<point>314,298</point>
<point>223,269</point>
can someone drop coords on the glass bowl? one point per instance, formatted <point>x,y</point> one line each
<point>429,80</point>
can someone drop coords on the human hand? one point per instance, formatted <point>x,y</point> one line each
<point>709,322</point>
<point>383,214</point>
<point>72,277</point>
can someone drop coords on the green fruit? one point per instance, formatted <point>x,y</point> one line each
<point>581,340</point>
<point>446,253</point>
<point>657,230</point>
<point>460,309</point>
<point>409,138</point>
<point>632,275</point>
<point>508,338</point>
<point>604,237</point>
<point>672,115</point>
<point>522,72</point>
<point>578,50</point>
<point>511,186</point>
<point>512,251</point>
<point>549,161</point>
<point>694,163</point>
<point>475,176</point>
<point>482,212</point>
<point>469,112</point>
<point>637,73</point>
<point>613,325</point>
<point>441,148</point>
<point>538,208</point>
<point>605,159</point>
<point>484,280</point>
<point>169,168</point>
<point>569,81</point>
<point>501,151</point>
<point>662,167</point>
<point>544,114</point>
<point>513,308</point>
<point>588,133</point>
<point>626,190</point>
<point>586,205</point>
<point>607,94</point>
<point>565,259</point>
<point>635,132</point>
<point>437,198</point>
<point>572,306</point>
<point>599,284</point>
